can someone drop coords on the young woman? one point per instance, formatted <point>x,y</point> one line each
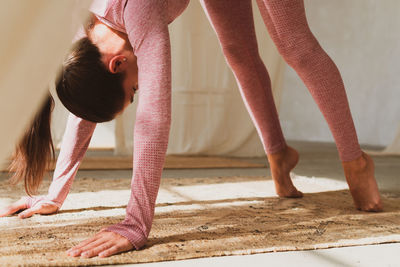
<point>100,78</point>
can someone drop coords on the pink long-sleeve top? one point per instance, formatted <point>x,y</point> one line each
<point>146,24</point>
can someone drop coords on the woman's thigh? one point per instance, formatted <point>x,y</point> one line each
<point>286,22</point>
<point>233,23</point>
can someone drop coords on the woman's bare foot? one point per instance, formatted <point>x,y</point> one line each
<point>281,164</point>
<point>363,187</point>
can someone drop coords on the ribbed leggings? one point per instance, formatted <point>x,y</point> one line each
<point>287,25</point>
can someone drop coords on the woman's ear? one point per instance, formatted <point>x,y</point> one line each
<point>117,64</point>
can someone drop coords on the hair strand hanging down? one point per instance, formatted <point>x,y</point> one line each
<point>34,151</point>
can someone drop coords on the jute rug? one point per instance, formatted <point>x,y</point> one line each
<point>199,218</point>
<point>171,162</point>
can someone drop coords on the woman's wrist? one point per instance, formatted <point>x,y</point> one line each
<point>35,200</point>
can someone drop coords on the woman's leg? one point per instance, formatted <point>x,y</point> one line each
<point>232,20</point>
<point>287,24</point>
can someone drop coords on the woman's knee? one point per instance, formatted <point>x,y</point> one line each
<point>297,47</point>
<point>240,54</point>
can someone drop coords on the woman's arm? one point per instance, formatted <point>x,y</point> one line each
<point>147,28</point>
<point>74,145</point>
<point>149,37</point>
<point>75,142</point>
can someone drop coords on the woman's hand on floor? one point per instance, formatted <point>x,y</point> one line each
<point>103,244</point>
<point>23,204</point>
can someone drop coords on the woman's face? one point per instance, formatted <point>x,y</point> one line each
<point>117,55</point>
<point>130,83</point>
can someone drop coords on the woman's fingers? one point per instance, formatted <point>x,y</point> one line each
<point>29,212</point>
<point>19,205</point>
<point>76,250</point>
<point>86,247</point>
<point>103,244</point>
<point>111,251</point>
<point>22,204</point>
<point>38,209</point>
<point>97,249</point>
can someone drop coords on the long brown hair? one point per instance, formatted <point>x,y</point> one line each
<point>88,90</point>
<point>34,151</point>
<point>86,87</point>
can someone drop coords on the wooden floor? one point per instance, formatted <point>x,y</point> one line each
<point>316,159</point>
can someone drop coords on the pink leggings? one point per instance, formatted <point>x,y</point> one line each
<point>287,24</point>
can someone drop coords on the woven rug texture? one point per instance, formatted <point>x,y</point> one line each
<point>198,217</point>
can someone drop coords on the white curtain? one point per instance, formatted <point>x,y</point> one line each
<point>34,38</point>
<point>392,149</point>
